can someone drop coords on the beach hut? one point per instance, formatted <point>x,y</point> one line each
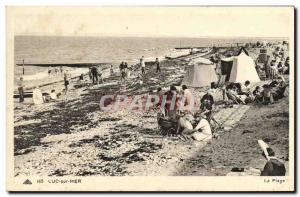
<point>239,68</point>
<point>200,73</point>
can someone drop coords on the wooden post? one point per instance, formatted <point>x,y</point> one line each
<point>23,68</point>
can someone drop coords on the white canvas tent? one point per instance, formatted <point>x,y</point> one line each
<point>243,68</point>
<point>200,73</point>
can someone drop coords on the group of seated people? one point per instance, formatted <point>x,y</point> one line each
<point>39,97</point>
<point>266,94</point>
<point>187,123</point>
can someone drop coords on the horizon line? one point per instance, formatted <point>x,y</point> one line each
<point>149,36</point>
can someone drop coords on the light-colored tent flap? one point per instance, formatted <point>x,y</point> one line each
<point>243,69</point>
<point>200,73</point>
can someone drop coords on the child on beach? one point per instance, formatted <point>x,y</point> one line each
<point>157,66</point>
<point>21,90</point>
<point>66,81</point>
<point>142,64</point>
<point>111,70</point>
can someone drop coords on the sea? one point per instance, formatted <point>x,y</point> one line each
<point>110,50</point>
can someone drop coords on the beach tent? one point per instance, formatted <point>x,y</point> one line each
<point>200,73</point>
<point>239,68</point>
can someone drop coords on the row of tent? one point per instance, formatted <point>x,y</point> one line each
<point>237,69</point>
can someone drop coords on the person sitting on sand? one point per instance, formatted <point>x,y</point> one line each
<point>201,132</point>
<point>279,89</point>
<point>206,106</point>
<point>273,167</point>
<point>273,68</point>
<point>53,95</point>
<point>286,66</point>
<point>232,94</point>
<point>37,96</point>
<point>245,88</point>
<point>267,95</point>
<point>280,67</point>
<point>257,94</point>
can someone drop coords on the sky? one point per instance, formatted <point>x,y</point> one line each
<point>152,21</point>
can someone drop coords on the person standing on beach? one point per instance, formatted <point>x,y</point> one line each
<point>66,80</point>
<point>49,70</point>
<point>123,73</point>
<point>157,66</point>
<point>90,73</point>
<point>121,67</point>
<point>111,70</point>
<point>21,89</point>
<point>37,96</point>
<point>95,73</point>
<point>143,66</point>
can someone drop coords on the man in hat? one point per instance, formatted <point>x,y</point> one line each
<point>157,65</point>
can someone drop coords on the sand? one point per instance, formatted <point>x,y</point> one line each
<point>73,137</point>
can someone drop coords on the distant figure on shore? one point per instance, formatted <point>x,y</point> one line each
<point>100,79</point>
<point>56,71</point>
<point>21,89</point>
<point>61,69</point>
<point>94,72</point>
<point>90,73</point>
<point>129,69</point>
<point>143,66</point>
<point>157,66</point>
<point>123,72</point>
<point>111,70</point>
<point>66,80</point>
<point>121,67</point>
<point>49,71</point>
<point>37,96</point>
<point>80,77</point>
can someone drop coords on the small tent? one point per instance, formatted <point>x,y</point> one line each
<point>239,68</point>
<point>200,73</point>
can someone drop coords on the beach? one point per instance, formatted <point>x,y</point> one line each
<point>72,136</point>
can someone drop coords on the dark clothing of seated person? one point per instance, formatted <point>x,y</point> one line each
<point>273,84</point>
<point>273,167</point>
<point>257,94</point>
